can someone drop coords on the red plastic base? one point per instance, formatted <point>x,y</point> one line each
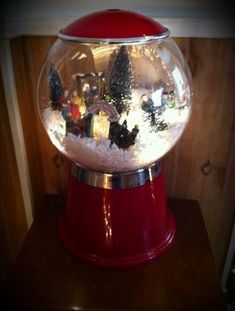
<point>117,228</point>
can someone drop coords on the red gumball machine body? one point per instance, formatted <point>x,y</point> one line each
<point>115,96</point>
<point>118,227</point>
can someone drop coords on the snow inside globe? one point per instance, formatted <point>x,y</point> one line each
<point>115,107</point>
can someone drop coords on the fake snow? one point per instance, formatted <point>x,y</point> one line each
<point>100,155</point>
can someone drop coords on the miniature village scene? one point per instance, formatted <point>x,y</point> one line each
<point>105,121</point>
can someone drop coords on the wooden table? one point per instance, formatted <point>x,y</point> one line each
<point>46,277</point>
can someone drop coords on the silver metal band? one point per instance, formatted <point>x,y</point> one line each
<point>114,40</point>
<point>116,180</point>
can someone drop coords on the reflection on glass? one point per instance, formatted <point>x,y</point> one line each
<point>115,107</point>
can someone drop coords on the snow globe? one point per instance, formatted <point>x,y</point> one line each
<point>114,97</point>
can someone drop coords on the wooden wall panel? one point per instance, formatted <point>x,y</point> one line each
<point>48,168</point>
<point>13,225</point>
<point>199,166</point>
<point>203,160</point>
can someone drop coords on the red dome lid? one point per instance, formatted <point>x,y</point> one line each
<point>114,26</point>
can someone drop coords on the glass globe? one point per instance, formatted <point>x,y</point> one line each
<point>115,107</point>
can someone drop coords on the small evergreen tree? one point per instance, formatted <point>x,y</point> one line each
<point>155,122</point>
<point>55,88</point>
<point>152,115</point>
<point>120,81</point>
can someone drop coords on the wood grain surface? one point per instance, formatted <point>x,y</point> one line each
<point>46,277</point>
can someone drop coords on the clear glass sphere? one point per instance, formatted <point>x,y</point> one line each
<point>115,107</point>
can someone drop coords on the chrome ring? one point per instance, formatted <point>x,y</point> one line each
<point>116,180</point>
<point>143,39</point>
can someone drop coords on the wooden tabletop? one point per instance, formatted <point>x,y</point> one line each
<point>46,277</point>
